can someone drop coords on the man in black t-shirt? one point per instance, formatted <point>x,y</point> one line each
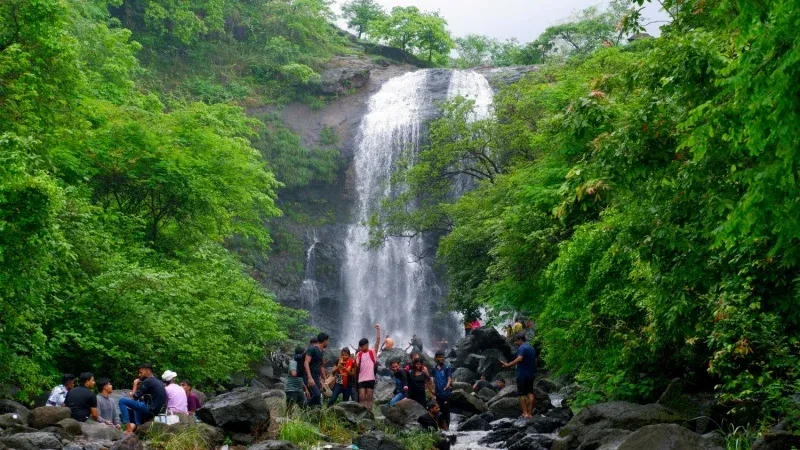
<point>81,400</point>
<point>430,420</point>
<point>315,370</point>
<point>148,398</point>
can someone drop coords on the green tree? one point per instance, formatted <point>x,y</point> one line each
<point>434,37</point>
<point>362,15</point>
<point>477,50</point>
<point>413,31</point>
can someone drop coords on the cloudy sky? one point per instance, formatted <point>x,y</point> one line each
<point>503,19</point>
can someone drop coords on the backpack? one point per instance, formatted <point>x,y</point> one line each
<point>374,361</point>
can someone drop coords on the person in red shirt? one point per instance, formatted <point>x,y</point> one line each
<point>343,377</point>
<point>192,400</point>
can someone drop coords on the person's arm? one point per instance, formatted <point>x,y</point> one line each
<point>429,385</point>
<point>307,364</point>
<point>322,372</point>
<point>377,339</point>
<point>513,363</point>
<point>449,379</point>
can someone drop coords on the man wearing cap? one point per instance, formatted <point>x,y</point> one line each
<point>176,396</point>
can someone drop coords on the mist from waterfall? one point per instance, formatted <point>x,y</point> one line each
<point>392,285</point>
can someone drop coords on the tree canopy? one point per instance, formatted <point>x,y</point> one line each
<point>363,15</point>
<point>414,31</point>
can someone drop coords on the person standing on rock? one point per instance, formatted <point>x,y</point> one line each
<point>400,383</point>
<point>59,393</point>
<point>147,399</point>
<point>366,368</point>
<point>419,382</point>
<point>296,391</point>
<point>176,396</point>
<point>81,399</point>
<point>443,382</point>
<point>344,377</point>
<point>526,371</point>
<point>315,370</point>
<point>107,408</point>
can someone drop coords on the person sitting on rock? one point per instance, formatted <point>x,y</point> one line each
<point>59,393</point>
<point>497,386</point>
<point>147,399</point>
<point>81,400</point>
<point>107,408</point>
<point>344,376</point>
<point>526,372</point>
<point>176,396</point>
<point>193,402</point>
<point>315,369</point>
<point>431,420</point>
<point>400,382</point>
<point>296,391</point>
<point>366,368</point>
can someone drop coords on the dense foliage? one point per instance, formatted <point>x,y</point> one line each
<point>121,185</point>
<point>641,202</point>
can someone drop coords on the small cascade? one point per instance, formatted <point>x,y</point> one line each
<point>308,290</point>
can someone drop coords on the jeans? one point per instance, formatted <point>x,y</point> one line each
<point>396,399</point>
<point>444,408</point>
<point>339,389</point>
<point>316,395</point>
<point>141,413</point>
<point>296,397</point>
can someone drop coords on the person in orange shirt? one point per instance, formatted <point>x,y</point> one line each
<point>343,375</point>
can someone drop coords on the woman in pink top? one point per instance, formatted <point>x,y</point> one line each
<point>176,396</point>
<point>366,366</point>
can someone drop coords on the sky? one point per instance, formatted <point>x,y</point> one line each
<point>504,19</point>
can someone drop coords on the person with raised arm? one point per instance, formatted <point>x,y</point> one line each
<point>366,368</point>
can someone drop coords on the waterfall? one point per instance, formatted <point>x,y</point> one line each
<point>308,289</point>
<point>392,285</point>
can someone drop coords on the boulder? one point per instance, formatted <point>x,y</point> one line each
<point>244,439</point>
<point>488,416</point>
<point>384,391</point>
<point>486,394</point>
<point>498,436</point>
<point>274,393</point>
<point>543,424</point>
<point>563,414</point>
<point>274,445</point>
<point>505,422</point>
<point>474,423</point>
<point>129,442</point>
<point>241,410</point>
<point>71,426</point>
<point>508,405</point>
<point>777,439</point>
<point>352,412</point>
<point>464,375</point>
<point>605,439</point>
<point>151,429</point>
<point>473,361</point>
<point>10,406</point>
<point>490,366</point>
<point>404,413</point>
<point>547,385</point>
<point>393,354</point>
<point>9,420</point>
<point>47,416</point>
<point>699,408</point>
<point>502,76</point>
<point>527,442</point>
<point>39,440</point>
<point>666,437</point>
<point>377,440</point>
<point>466,387</point>
<point>60,433</point>
<point>478,342</point>
<point>213,435</point>
<point>348,72</point>
<point>99,432</point>
<point>17,443</point>
<point>463,403</point>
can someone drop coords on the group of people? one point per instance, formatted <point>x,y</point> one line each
<point>148,398</point>
<point>354,377</point>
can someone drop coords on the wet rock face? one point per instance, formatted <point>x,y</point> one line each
<point>345,73</point>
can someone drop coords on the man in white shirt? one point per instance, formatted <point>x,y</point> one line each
<point>59,393</point>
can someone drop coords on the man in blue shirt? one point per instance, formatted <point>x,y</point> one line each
<point>443,381</point>
<point>526,371</point>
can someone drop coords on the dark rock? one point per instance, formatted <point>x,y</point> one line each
<point>464,375</point>
<point>16,429</point>
<point>100,432</point>
<point>404,413</point>
<point>498,436</point>
<point>473,361</point>
<point>47,416</point>
<point>502,76</point>
<point>71,426</point>
<point>274,445</point>
<point>377,440</point>
<point>563,414</point>
<point>352,412</point>
<point>274,393</point>
<point>543,424</point>
<point>384,391</point>
<point>699,408</point>
<point>17,443</point>
<point>526,442</point>
<point>10,406</point>
<point>9,420</point>
<point>466,387</point>
<point>242,438</point>
<point>60,433</point>
<point>474,423</point>
<point>546,385</point>
<point>394,354</point>
<point>505,422</point>
<point>486,394</point>
<point>509,407</point>
<point>606,438</point>
<point>149,429</point>
<point>241,410</point>
<point>345,73</point>
<point>214,435</point>
<point>488,416</point>
<point>666,437</point>
<point>478,342</point>
<point>716,437</point>
<point>463,403</point>
<point>543,403</point>
<point>491,365</point>
<point>777,440</point>
<point>40,440</point>
<point>129,442</point>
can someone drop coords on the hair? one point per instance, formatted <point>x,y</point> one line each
<point>322,337</point>
<point>416,360</point>
<point>431,404</point>
<point>363,341</point>
<point>147,366</point>
<point>346,350</point>
<point>186,382</point>
<point>314,340</point>
<point>520,337</point>
<point>66,378</point>
<point>394,361</point>
<point>501,380</point>
<point>439,353</point>
<point>84,377</point>
<point>101,383</point>
<point>298,351</point>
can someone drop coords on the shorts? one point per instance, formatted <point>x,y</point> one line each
<point>524,386</point>
<point>367,384</point>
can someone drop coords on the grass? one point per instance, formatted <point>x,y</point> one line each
<point>304,427</point>
<point>299,433</point>
<point>417,440</point>
<point>190,438</point>
<point>739,438</point>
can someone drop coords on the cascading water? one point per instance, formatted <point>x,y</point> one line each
<point>392,285</point>
<point>308,290</point>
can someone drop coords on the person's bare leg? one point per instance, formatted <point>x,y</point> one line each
<point>370,399</point>
<point>523,405</point>
<point>362,396</point>
<point>531,404</point>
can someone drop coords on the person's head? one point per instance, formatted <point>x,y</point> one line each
<point>363,344</point>
<point>433,408</point>
<point>68,380</point>
<point>187,386</point>
<point>322,340</point>
<point>439,357</point>
<point>395,366</point>
<point>519,339</point>
<point>501,383</point>
<point>483,377</point>
<point>417,364</point>
<point>104,386</point>
<point>169,376</point>
<point>414,355</point>
<point>86,379</point>
<point>345,353</point>
<point>145,370</point>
